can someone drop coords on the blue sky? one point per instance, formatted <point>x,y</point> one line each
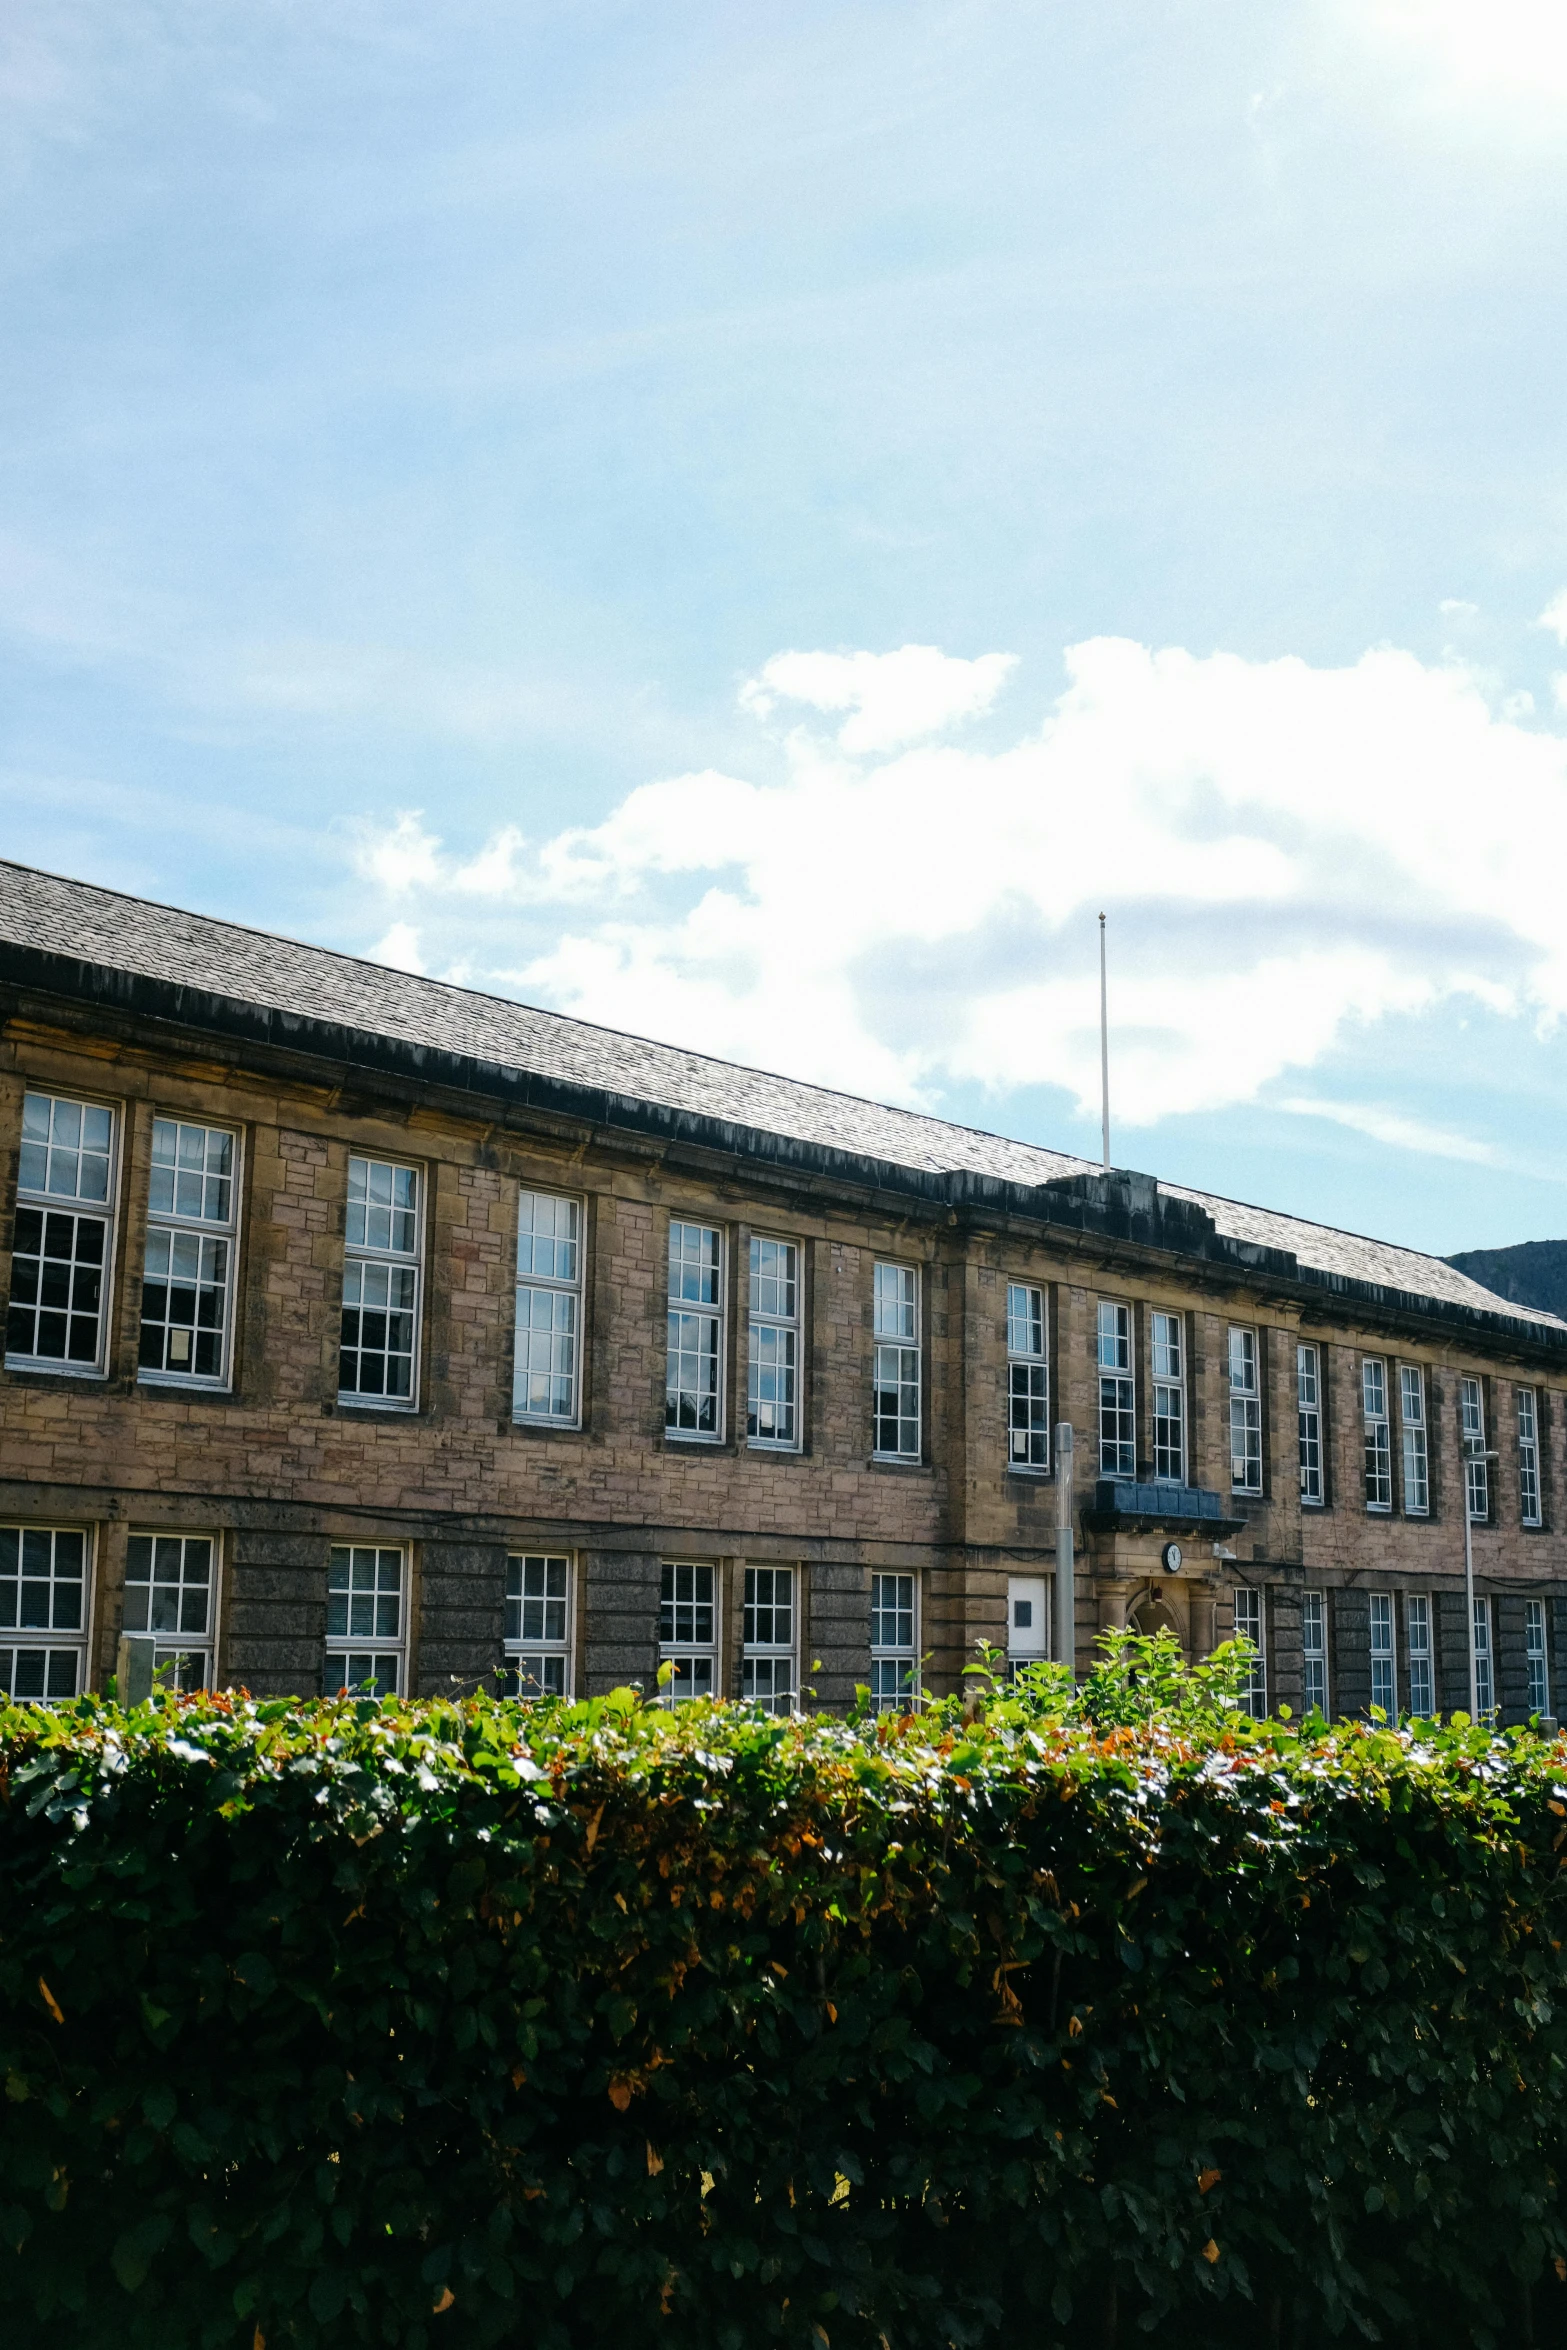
<point>753,523</point>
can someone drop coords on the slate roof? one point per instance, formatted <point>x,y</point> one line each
<point>81,923</point>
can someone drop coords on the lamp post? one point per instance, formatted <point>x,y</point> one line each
<point>1473,1451</point>
<point>1066,1587</point>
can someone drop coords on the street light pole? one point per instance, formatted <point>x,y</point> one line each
<point>1066,1582</point>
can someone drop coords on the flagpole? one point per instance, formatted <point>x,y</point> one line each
<point>1104,1043</point>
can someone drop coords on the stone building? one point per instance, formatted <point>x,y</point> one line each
<point>367,1328</point>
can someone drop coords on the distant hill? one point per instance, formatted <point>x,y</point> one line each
<point>1532,1274</point>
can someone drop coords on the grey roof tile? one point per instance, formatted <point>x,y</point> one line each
<point>77,920</point>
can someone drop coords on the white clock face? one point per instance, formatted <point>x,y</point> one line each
<point>1170,1556</point>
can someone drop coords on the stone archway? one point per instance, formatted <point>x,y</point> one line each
<point>1150,1615</point>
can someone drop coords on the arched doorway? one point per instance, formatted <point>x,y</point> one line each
<point>1150,1615</point>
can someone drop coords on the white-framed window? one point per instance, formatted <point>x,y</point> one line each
<point>1485,1683</point>
<point>62,1245</point>
<point>1314,1650</point>
<point>378,1362</point>
<point>1308,1397</point>
<point>45,1590</point>
<point>1477,1473</point>
<point>1535,1656</point>
<point>1245,1412</point>
<point>1249,1625</point>
<point>1417,1637</point>
<point>1528,1459</point>
<point>1412,1433</point>
<point>895,1663</point>
<point>772,1373</point>
<point>538,1626</point>
<point>1028,1378</point>
<point>1028,1621</point>
<point>546,1367</point>
<point>1169,1400</point>
<point>188,1255</point>
<point>171,1593</point>
<point>1378,1435</point>
<point>768,1677</point>
<point>688,1629</point>
<point>896,1383</point>
<point>1384,1663</point>
<point>1117,1391</point>
<point>693,1382</point>
<point>365,1612</point>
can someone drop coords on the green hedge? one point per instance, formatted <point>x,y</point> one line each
<point>466,2024</point>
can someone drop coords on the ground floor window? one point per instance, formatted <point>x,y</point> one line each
<point>44,1593</point>
<point>1417,1629</point>
<point>1314,1650</point>
<point>894,1642</point>
<point>1384,1679</point>
<point>365,1615</point>
<point>767,1647</point>
<point>1485,1687</point>
<point>171,1593</point>
<point>1535,1656</point>
<point>1028,1622</point>
<point>1248,1625</point>
<point>688,1629</point>
<point>538,1626</point>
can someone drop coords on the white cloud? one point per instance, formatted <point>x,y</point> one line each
<point>1286,854</point>
<point>1554,617</point>
<point>893,698</point>
<point>1472,52</point>
<point>404,857</point>
<point>399,949</point>
<point>1391,1126</point>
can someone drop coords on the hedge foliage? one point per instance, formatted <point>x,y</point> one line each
<point>467,2024</point>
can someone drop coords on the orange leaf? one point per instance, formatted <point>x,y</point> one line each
<point>518,2077</point>
<point>1207,2179</point>
<point>655,2161</point>
<point>445,2302</point>
<point>666,2297</point>
<point>620,2093</point>
<point>1210,2252</point>
<point>50,2001</point>
<point>258,2340</point>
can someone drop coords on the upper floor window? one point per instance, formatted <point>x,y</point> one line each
<point>1529,1461</point>
<point>43,1611</point>
<point>169,1592</point>
<point>549,1308</point>
<point>1245,1413</point>
<point>377,1361</point>
<point>188,1258</point>
<point>1412,1427</point>
<point>1117,1393</point>
<point>695,1347</point>
<point>364,1619</point>
<point>538,1627</point>
<point>772,1402</point>
<point>57,1318</point>
<point>1028,1378</point>
<point>1169,1399</point>
<point>1308,1400</point>
<point>767,1666</point>
<point>1378,1436</point>
<point>1477,1469</point>
<point>896,1384</point>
